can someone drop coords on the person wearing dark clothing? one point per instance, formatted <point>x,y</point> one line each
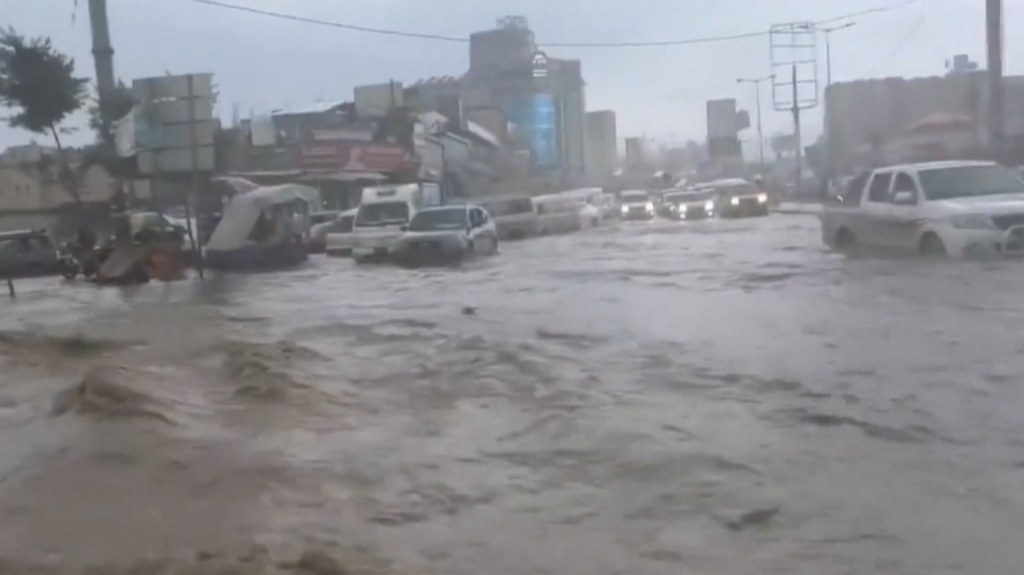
<point>86,238</point>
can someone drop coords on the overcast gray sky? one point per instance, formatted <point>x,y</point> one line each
<point>263,63</point>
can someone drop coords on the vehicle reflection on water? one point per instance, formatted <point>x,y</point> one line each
<point>656,399</point>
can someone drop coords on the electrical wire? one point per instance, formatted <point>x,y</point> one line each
<point>868,12</point>
<point>462,40</point>
<point>904,42</point>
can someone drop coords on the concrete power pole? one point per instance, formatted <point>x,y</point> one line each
<point>102,50</point>
<point>994,37</point>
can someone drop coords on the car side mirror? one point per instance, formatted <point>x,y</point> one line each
<point>404,228</point>
<point>904,198</point>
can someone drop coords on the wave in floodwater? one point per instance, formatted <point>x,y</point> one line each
<point>656,403</point>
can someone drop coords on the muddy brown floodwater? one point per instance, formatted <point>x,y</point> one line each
<point>721,398</point>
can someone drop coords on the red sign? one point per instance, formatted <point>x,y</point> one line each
<point>353,157</point>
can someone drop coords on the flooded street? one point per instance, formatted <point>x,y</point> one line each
<point>718,398</point>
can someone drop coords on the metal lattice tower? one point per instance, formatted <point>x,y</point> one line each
<point>794,59</point>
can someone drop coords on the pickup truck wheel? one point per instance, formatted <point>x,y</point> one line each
<point>932,247</point>
<point>845,239</point>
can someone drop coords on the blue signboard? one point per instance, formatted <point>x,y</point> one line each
<point>544,144</point>
<point>536,120</point>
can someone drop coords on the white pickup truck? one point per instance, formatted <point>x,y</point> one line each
<point>937,209</point>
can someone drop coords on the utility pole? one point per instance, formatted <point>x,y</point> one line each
<point>829,132</point>
<point>102,51</point>
<point>798,153</point>
<point>994,39</point>
<point>760,129</point>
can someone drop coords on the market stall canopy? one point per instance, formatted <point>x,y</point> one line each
<point>243,211</point>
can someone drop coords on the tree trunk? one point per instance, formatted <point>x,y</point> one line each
<point>66,178</point>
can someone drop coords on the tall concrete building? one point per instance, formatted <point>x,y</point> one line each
<point>602,148</point>
<point>543,97</point>
<point>636,153</point>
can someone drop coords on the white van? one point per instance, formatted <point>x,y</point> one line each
<point>383,215</point>
<point>557,214</point>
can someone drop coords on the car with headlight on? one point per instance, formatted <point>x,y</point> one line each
<point>689,205</point>
<point>636,205</point>
<point>446,235</point>
<point>738,198</point>
<point>935,209</point>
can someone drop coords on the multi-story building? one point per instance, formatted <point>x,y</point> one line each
<point>542,97</point>
<point>870,114</point>
<point>636,153</point>
<point>602,146</point>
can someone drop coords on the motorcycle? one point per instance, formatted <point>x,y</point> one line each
<point>74,260</point>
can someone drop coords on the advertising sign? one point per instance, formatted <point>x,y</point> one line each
<point>535,118</point>
<point>352,157</point>
<point>722,128</point>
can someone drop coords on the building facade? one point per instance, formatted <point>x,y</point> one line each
<point>874,113</point>
<point>602,147</point>
<point>542,98</point>
<point>636,153</point>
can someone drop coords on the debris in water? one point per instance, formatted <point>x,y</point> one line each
<point>103,392</point>
<point>468,310</point>
<point>319,563</point>
<point>755,518</point>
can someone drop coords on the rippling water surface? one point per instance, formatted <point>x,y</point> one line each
<point>719,398</point>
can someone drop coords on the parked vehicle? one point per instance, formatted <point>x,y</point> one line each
<point>29,253</point>
<point>590,216</point>
<point>636,205</point>
<point>606,205</point>
<point>936,209</point>
<point>513,216</point>
<point>557,214</point>
<point>738,198</point>
<point>591,202</point>
<point>447,235</point>
<point>157,228</point>
<point>338,239</point>
<point>688,205</point>
<point>384,212</point>
<point>265,228</point>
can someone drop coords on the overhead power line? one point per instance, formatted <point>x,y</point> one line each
<point>462,40</point>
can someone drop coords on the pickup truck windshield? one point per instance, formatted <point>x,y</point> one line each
<point>635,198</point>
<point>511,207</point>
<point>435,220</point>
<point>382,214</point>
<point>739,190</point>
<point>688,197</point>
<point>970,181</point>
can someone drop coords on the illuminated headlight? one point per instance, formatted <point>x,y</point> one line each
<point>681,208</point>
<point>972,222</point>
<point>734,201</point>
<point>650,207</point>
<point>762,198</point>
<point>709,206</point>
<point>625,209</point>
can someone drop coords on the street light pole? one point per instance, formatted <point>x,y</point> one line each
<point>828,48</point>
<point>760,128</point>
<point>994,44</point>
<point>829,135</point>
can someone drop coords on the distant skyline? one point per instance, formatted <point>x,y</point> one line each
<point>263,63</point>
